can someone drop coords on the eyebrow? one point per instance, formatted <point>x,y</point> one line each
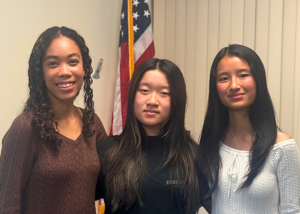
<point>239,71</point>
<point>56,57</point>
<point>147,84</point>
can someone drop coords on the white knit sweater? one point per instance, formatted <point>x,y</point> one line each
<point>276,189</point>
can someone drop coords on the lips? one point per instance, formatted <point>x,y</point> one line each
<point>150,112</point>
<point>236,95</point>
<point>65,84</point>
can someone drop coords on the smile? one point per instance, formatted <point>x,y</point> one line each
<point>65,85</point>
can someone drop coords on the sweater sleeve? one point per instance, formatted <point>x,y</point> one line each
<point>16,160</point>
<point>288,173</point>
<point>100,131</point>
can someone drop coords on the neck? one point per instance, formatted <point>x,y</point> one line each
<point>239,122</point>
<point>63,110</point>
<point>153,131</point>
<point>239,134</point>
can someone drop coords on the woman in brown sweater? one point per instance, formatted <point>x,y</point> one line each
<point>49,162</point>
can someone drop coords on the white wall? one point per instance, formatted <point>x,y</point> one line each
<point>22,21</point>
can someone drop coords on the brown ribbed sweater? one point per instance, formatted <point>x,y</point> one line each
<point>34,178</point>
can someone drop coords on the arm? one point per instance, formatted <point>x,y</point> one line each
<point>288,174</point>
<point>100,131</point>
<point>15,165</point>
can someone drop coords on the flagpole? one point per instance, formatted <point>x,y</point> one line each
<point>130,38</point>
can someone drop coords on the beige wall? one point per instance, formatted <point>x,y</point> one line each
<point>22,21</point>
<point>191,33</point>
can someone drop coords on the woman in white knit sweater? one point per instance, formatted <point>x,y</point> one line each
<point>251,165</point>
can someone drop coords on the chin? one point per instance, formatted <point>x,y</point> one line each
<point>67,99</point>
<point>238,108</point>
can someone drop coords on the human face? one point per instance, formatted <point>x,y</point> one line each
<point>63,70</point>
<point>152,102</point>
<point>235,84</point>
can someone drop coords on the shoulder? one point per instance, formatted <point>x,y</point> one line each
<point>98,123</point>
<point>24,119</point>
<point>20,129</point>
<point>285,147</point>
<point>22,123</point>
<point>285,157</point>
<point>104,145</point>
<point>99,128</point>
<point>281,136</point>
<point>97,119</point>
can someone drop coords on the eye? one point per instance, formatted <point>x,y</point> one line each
<point>244,75</point>
<point>165,93</point>
<point>73,62</point>
<point>143,91</point>
<point>52,64</point>
<point>223,79</point>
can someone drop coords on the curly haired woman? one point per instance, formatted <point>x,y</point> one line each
<point>49,162</point>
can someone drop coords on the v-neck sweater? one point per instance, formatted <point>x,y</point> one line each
<point>36,178</point>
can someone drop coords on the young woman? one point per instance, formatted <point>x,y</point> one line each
<point>49,162</point>
<point>251,166</point>
<point>151,166</point>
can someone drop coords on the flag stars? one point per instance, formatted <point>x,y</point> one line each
<point>122,15</point>
<point>122,33</point>
<point>146,1</point>
<point>135,15</point>
<point>146,13</point>
<point>135,28</point>
<point>135,2</point>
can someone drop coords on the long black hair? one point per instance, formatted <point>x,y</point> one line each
<point>261,114</point>
<point>38,102</point>
<point>125,160</point>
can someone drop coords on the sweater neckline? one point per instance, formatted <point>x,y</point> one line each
<point>79,136</point>
<point>246,153</point>
<point>76,141</point>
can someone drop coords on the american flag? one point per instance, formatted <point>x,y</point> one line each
<point>135,46</point>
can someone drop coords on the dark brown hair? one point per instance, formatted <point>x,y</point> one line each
<point>38,102</point>
<point>261,114</point>
<point>125,165</point>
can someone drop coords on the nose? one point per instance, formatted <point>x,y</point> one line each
<point>234,84</point>
<point>153,99</point>
<point>64,70</point>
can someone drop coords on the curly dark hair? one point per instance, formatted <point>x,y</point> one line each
<point>38,102</point>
